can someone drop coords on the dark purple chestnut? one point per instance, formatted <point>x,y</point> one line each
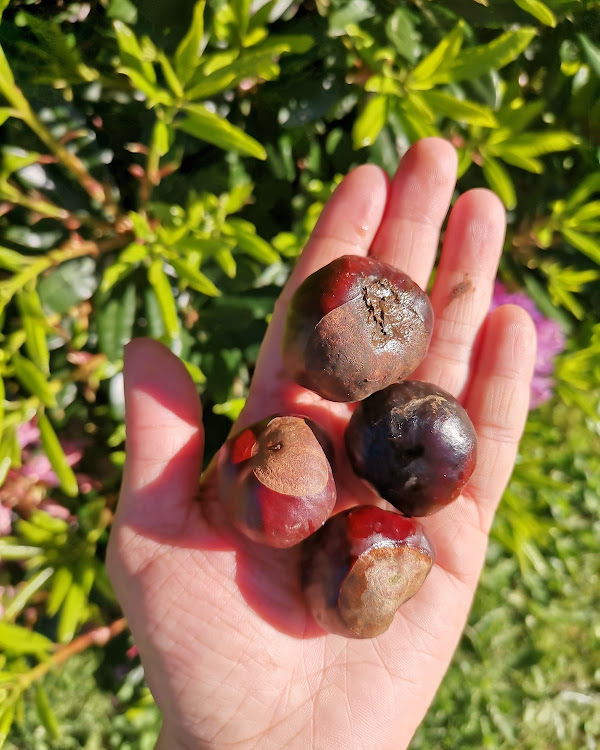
<point>275,481</point>
<point>354,327</point>
<point>415,444</point>
<point>360,567</point>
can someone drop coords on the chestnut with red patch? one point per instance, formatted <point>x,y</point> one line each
<point>354,327</point>
<point>361,567</point>
<point>275,481</point>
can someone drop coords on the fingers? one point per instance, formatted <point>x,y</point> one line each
<point>498,403</point>
<point>164,441</point>
<point>347,224</point>
<point>463,287</point>
<point>419,198</point>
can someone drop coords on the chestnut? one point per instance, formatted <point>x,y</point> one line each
<point>275,480</point>
<point>360,567</point>
<point>354,327</point>
<point>415,444</point>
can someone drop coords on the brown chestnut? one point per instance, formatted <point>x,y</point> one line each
<point>275,481</point>
<point>360,567</point>
<point>415,444</point>
<point>354,327</point>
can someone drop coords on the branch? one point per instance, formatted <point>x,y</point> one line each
<point>97,637</point>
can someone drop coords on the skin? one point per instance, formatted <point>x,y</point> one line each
<point>230,654</point>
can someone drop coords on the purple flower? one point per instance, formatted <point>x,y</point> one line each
<point>550,341</point>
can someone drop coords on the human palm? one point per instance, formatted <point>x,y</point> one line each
<point>230,653</point>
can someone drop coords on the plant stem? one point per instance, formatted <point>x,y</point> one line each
<point>97,637</point>
<point>70,161</point>
<point>151,176</point>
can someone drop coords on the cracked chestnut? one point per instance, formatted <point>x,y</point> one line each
<point>275,481</point>
<point>360,567</point>
<point>415,444</point>
<point>354,327</point>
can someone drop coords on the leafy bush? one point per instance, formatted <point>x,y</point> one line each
<point>159,177</point>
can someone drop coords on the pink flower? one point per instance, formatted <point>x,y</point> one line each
<point>550,341</point>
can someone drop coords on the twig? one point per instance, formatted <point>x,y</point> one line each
<point>97,637</point>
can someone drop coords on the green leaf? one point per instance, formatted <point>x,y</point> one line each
<point>591,52</point>
<point>241,12</point>
<point>47,716</point>
<point>221,72</point>
<point>154,94</point>
<point>56,455</point>
<point>45,521</point>
<point>249,242</point>
<point>517,118</point>
<point>238,197</point>
<point>474,62</point>
<point>208,126</point>
<point>400,30</point>
<point>61,583</point>
<point>194,278</point>
<point>11,260</point>
<point>370,121</point>
<point>587,244</point>
<point>517,159</point>
<point>164,295</point>
<point>3,6</point>
<point>123,10</point>
<point>539,10</point>
<point>68,285</point>
<point>213,84</point>
<point>15,639</point>
<point>141,227</point>
<point>24,594</point>
<point>587,187</point>
<point>35,325</point>
<point>537,143</point>
<point>189,51</point>
<point>115,318</point>
<point>10,550</point>
<point>231,409</point>
<point>414,121</point>
<point>171,77</point>
<point>7,716</point>
<point>197,375</point>
<point>132,55</point>
<point>383,84</point>
<point>227,262</point>
<point>460,110</point>
<point>7,81</point>
<point>585,213</point>
<point>2,397</point>
<point>33,380</point>
<point>163,137</point>
<point>438,59</point>
<point>500,181</point>
<point>127,261</point>
<point>465,159</point>
<point>72,612</point>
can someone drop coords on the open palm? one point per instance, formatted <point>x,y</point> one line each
<point>230,653</point>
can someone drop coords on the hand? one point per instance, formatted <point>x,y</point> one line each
<point>230,653</point>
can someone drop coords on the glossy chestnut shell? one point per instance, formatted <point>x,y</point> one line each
<point>415,444</point>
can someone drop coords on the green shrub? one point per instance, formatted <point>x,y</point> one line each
<point>159,178</point>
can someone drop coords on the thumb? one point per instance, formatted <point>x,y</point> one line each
<point>165,442</point>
